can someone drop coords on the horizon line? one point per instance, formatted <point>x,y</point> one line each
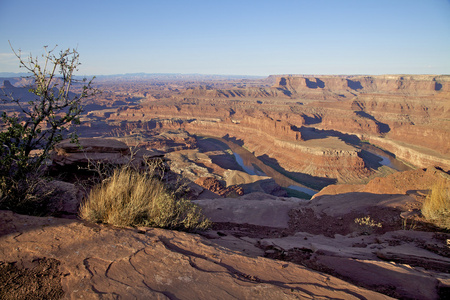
<point>20,74</point>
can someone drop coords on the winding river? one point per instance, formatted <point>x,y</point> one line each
<point>386,158</point>
<point>253,166</point>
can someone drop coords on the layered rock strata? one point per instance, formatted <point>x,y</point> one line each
<point>399,84</point>
<point>335,160</point>
<point>409,109</point>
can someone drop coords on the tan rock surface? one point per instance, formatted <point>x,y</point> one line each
<point>400,183</point>
<point>102,150</point>
<point>91,150</point>
<point>253,183</point>
<point>388,260</point>
<point>103,262</point>
<point>323,235</point>
<point>409,181</point>
<point>255,208</point>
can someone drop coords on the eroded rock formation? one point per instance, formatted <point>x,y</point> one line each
<point>406,114</point>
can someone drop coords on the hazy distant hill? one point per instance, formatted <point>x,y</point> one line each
<point>172,77</point>
<point>11,74</point>
<point>160,77</point>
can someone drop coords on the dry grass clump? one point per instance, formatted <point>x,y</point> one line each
<point>367,225</point>
<point>133,198</point>
<point>436,207</point>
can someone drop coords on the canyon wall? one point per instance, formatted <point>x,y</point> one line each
<point>276,128</point>
<point>397,84</point>
<point>405,114</point>
<point>253,92</point>
<point>421,158</point>
<point>411,109</point>
<point>277,143</point>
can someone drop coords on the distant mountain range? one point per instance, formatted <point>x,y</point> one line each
<point>10,74</point>
<point>160,76</point>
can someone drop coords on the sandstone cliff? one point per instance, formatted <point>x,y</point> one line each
<point>398,84</point>
<point>406,113</point>
<point>276,128</point>
<point>328,159</point>
<point>210,93</point>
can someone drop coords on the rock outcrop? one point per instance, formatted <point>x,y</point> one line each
<point>91,150</point>
<point>417,156</point>
<point>210,93</point>
<point>408,109</point>
<point>329,158</point>
<point>395,263</point>
<point>214,185</point>
<point>407,182</point>
<point>98,150</point>
<point>275,128</point>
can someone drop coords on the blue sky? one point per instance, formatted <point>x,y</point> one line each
<point>234,37</point>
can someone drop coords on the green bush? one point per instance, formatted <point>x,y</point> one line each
<point>133,198</point>
<point>30,130</point>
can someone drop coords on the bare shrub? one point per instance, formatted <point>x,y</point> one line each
<point>133,198</point>
<point>412,225</point>
<point>436,207</point>
<point>30,194</point>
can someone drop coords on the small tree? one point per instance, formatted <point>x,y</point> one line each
<point>28,134</point>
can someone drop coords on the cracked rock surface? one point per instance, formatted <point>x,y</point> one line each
<point>102,262</point>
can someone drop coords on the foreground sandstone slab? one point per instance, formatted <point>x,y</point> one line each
<point>395,259</point>
<point>404,263</point>
<point>104,262</point>
<point>257,209</point>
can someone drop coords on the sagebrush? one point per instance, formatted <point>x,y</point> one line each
<point>133,198</point>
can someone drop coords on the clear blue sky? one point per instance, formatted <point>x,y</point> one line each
<point>234,37</point>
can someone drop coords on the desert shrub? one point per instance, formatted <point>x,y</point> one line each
<point>30,130</point>
<point>367,225</point>
<point>436,207</point>
<point>30,194</point>
<point>133,198</point>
